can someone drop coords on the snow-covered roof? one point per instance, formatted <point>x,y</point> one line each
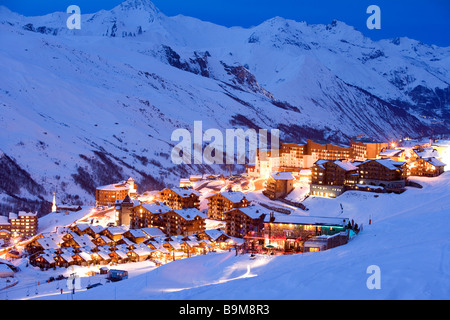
<point>86,256</point>
<point>391,152</point>
<point>117,230</point>
<point>115,186</point>
<point>388,163</point>
<point>233,196</point>
<point>347,166</point>
<point>27,214</point>
<point>435,162</point>
<point>156,207</point>
<point>13,215</point>
<point>137,233</point>
<point>255,211</point>
<point>185,192</point>
<point>214,234</point>
<point>82,226</point>
<point>428,152</point>
<point>97,229</point>
<point>47,243</point>
<point>142,250</point>
<point>153,232</point>
<point>282,176</point>
<point>190,213</point>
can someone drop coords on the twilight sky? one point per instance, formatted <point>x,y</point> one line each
<point>424,20</point>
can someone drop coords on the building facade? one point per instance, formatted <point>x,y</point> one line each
<point>221,202</point>
<point>241,221</point>
<point>428,167</point>
<point>108,194</point>
<point>387,173</point>
<point>147,215</point>
<point>279,184</point>
<point>179,198</point>
<point>23,224</point>
<point>330,178</point>
<point>184,222</point>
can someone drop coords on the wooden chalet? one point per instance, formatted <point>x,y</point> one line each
<point>148,215</point>
<point>184,221</point>
<point>179,198</point>
<point>427,167</point>
<point>136,235</point>
<point>240,221</point>
<point>221,202</point>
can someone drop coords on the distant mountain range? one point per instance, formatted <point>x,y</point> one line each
<point>88,107</point>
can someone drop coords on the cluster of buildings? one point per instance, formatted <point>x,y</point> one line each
<point>175,212</point>
<point>364,165</point>
<point>85,244</point>
<point>170,225</point>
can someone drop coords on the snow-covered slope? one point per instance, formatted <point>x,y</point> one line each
<point>81,108</point>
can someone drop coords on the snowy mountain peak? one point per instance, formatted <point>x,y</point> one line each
<point>145,5</point>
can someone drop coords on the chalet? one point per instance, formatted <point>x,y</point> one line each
<point>5,234</point>
<point>77,241</point>
<point>64,259</point>
<point>41,244</point>
<point>279,185</point>
<point>330,178</point>
<point>140,252</point>
<point>136,235</point>
<point>160,254</point>
<point>124,241</point>
<point>114,233</point>
<point>424,152</point>
<point>103,241</point>
<point>119,255</point>
<point>45,260</point>
<point>6,271</point>
<point>179,198</point>
<point>216,235</point>
<point>82,258</point>
<point>108,194</point>
<point>191,246</point>
<point>80,228</point>
<point>241,221</point>
<point>101,256</point>
<point>148,215</point>
<point>184,221</point>
<point>218,238</point>
<point>94,230</point>
<point>153,232</point>
<point>387,173</point>
<point>225,201</point>
<point>428,167</point>
<point>185,183</point>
